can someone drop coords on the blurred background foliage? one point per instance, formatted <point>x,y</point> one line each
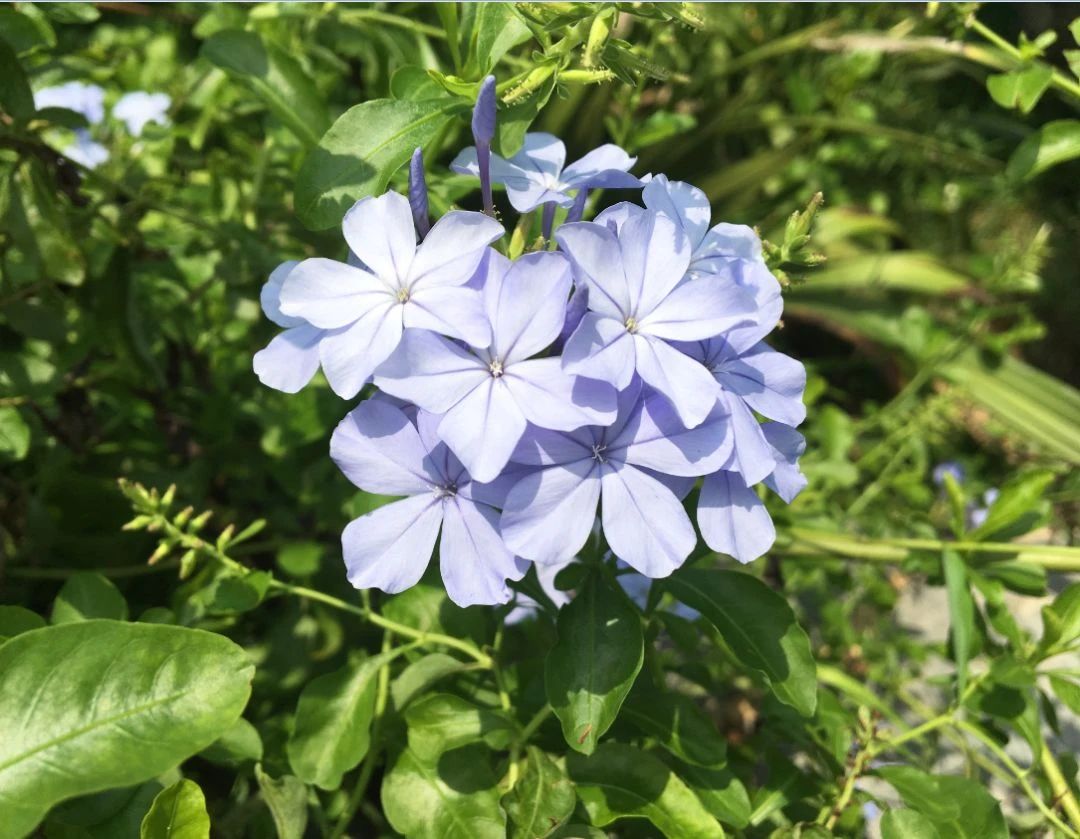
<point>934,302</point>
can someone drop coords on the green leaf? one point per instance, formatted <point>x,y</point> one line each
<point>362,149</point>
<point>136,700</point>
<point>497,28</point>
<point>178,812</point>
<point>619,781</point>
<point>286,798</point>
<point>15,620</point>
<point>1015,706</point>
<point>1020,88</point>
<point>15,95</point>
<point>759,627</point>
<point>422,674</point>
<point>231,594</point>
<point>1061,619</point>
<point>14,434</point>
<point>1067,691</point>
<point>542,799</point>
<point>911,271</point>
<point>239,744</point>
<point>907,824</point>
<point>333,723</point>
<point>961,614</point>
<point>677,724</point>
<point>514,121</point>
<point>1016,507</point>
<point>87,595</point>
<point>273,76</point>
<point>592,666</point>
<point>456,798</point>
<point>1054,143</point>
<point>718,789</point>
<point>956,807</point>
<point>415,83</point>
<point>441,721</point>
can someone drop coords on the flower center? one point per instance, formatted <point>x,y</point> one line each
<point>631,324</point>
<point>496,368</point>
<point>403,296</point>
<point>598,450</point>
<point>446,491</point>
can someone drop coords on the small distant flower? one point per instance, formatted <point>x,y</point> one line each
<point>139,107</point>
<point>379,449</point>
<point>639,302</point>
<point>536,174</point>
<point>399,285</point>
<point>978,513</point>
<point>549,513</point>
<point>949,467</point>
<point>488,396</point>
<point>86,99</point>
<point>85,151</point>
<point>291,359</point>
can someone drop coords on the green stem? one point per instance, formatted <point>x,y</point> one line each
<point>532,725</point>
<point>1058,79</point>
<point>1063,793</point>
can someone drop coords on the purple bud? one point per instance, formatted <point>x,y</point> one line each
<point>483,118</point>
<point>578,209</point>
<point>418,197</point>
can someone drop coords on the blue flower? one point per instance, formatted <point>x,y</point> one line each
<point>549,513</point>
<point>139,107</point>
<point>536,175</point>
<point>291,359</point>
<point>488,395</point>
<point>399,285</point>
<point>641,300</point>
<point>380,450</point>
<point>85,151</point>
<point>949,467</point>
<point>85,99</point>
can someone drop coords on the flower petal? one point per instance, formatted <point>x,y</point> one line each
<point>349,356</point>
<point>525,302</point>
<point>655,256</point>
<point>645,525</point>
<point>684,204</point>
<point>379,450</point>
<point>289,361</point>
<point>474,561</point>
<point>615,216</point>
<point>456,311</point>
<point>541,447</point>
<point>329,294</point>
<point>483,429</point>
<point>768,381</point>
<point>601,348</point>
<point>699,308</point>
<point>751,455</point>
<point>380,232</point>
<point>607,166</point>
<point>733,520</point>
<point>658,440</point>
<point>430,371</point>
<point>390,547</point>
<point>270,296</point>
<point>452,250</point>
<point>686,383</point>
<point>550,397</point>
<point>594,253</point>
<point>549,514</point>
<point>788,446</point>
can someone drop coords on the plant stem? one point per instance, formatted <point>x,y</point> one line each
<point>532,725</point>
<point>1063,793</point>
<point>1058,79</point>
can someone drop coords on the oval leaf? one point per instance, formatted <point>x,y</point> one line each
<point>591,668</point>
<point>101,704</point>
<point>541,800</point>
<point>1052,144</point>
<point>87,595</point>
<point>178,812</point>
<point>759,627</point>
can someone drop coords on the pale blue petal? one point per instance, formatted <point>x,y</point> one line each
<point>349,356</point>
<point>390,547</point>
<point>452,250</point>
<point>686,383</point>
<point>380,232</point>
<point>270,296</point>
<point>655,255</point>
<point>329,294</point>
<point>658,440</point>
<point>549,514</point>
<point>768,381</point>
<point>483,429</point>
<point>601,348</point>
<point>290,360</point>
<point>456,311</point>
<point>699,308</point>
<point>550,397</point>
<point>541,447</point>
<point>475,563</point>
<point>644,524</point>
<point>430,371</point>
<point>575,311</point>
<point>685,204</point>
<point>788,446</point>
<point>594,252</point>
<point>379,450</point>
<point>733,520</point>
<point>615,216</point>
<point>137,108</point>
<point>526,303</point>
<point>752,456</point>
<point>607,166</point>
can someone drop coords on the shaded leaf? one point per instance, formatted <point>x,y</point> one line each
<point>961,614</point>
<point>957,807</point>
<point>440,722</point>
<point>907,824</point>
<point>677,724</point>
<point>87,595</point>
<point>1054,143</point>
<point>542,799</point>
<point>286,798</point>
<point>178,812</point>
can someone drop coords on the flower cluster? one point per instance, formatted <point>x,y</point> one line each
<point>133,109</point>
<point>606,371</point>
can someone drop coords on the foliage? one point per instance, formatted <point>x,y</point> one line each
<point>207,668</point>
